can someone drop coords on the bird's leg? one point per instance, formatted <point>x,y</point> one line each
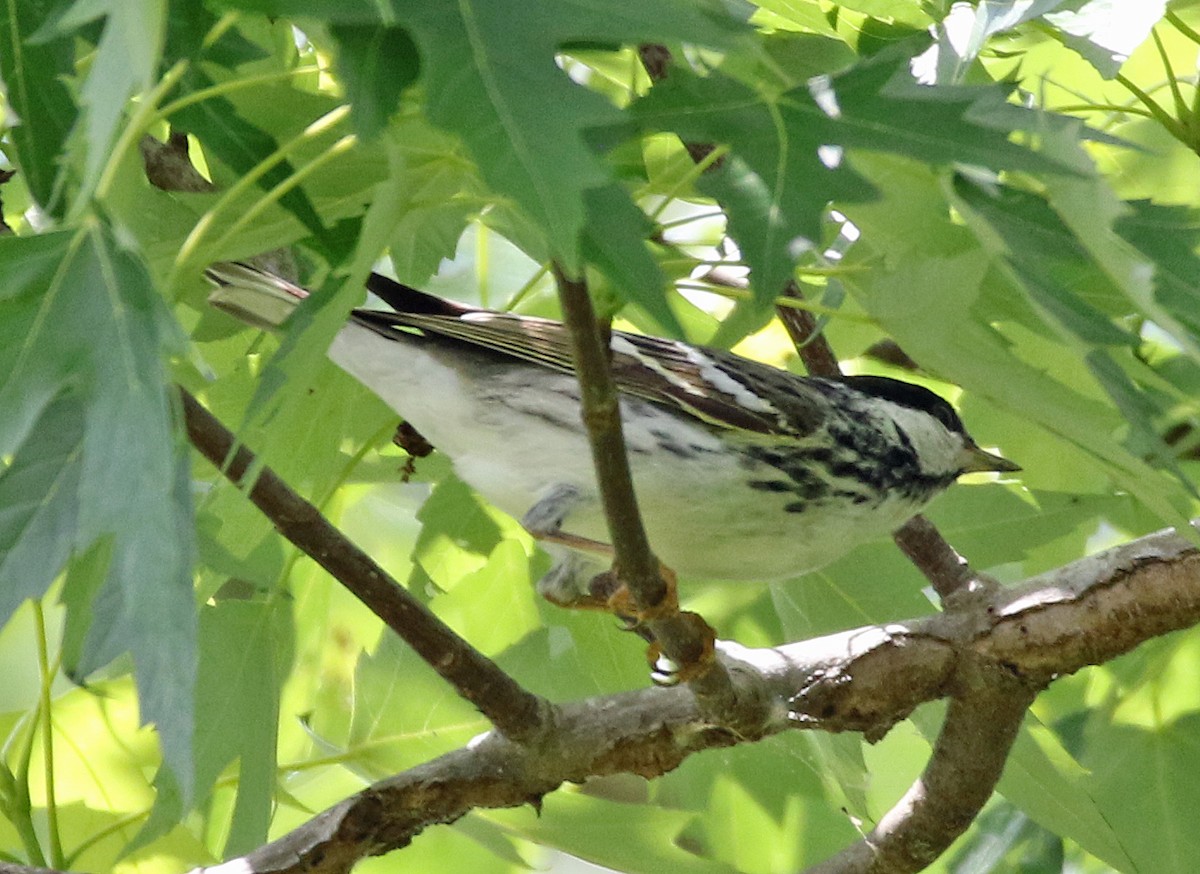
<point>563,583</point>
<point>544,521</point>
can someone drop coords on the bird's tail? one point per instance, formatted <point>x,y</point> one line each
<point>259,298</point>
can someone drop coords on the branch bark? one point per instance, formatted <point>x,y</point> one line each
<point>684,637</point>
<point>992,660</point>
<point>516,713</point>
<point>968,759</point>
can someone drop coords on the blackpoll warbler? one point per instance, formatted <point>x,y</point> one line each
<point>742,471</point>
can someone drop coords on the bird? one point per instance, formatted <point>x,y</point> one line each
<point>742,471</point>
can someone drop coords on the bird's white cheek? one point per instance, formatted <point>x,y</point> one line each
<point>938,449</point>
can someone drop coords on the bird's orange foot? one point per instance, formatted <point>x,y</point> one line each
<point>609,589</point>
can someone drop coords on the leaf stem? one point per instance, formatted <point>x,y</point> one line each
<point>141,120</point>
<point>46,675</point>
<point>1182,110</point>
<point>527,287</point>
<point>1161,115</point>
<point>695,172</point>
<point>1180,25</point>
<point>276,194</point>
<point>187,251</point>
<point>18,806</point>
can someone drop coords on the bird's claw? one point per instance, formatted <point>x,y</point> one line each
<point>665,671</point>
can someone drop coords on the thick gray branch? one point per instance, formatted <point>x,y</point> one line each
<point>864,680</point>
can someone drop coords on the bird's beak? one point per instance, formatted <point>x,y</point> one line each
<point>975,460</point>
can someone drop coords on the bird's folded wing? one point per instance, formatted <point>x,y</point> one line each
<point>712,386</point>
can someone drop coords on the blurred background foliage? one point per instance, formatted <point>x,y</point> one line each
<point>999,200</point>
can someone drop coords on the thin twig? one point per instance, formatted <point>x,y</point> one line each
<point>947,571</point>
<point>516,713</point>
<point>640,570</point>
<point>684,637</point>
<point>811,345</point>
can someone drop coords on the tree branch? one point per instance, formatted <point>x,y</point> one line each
<point>968,759</point>
<point>684,637</point>
<point>990,660</point>
<point>813,347</point>
<point>514,712</point>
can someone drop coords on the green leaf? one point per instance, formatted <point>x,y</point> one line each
<point>125,62</point>
<point>495,606</point>
<point>243,146</point>
<point>788,158</point>
<point>977,357</point>
<point>1049,785</point>
<point>931,307</point>
<point>1168,236</point>
<point>457,533</point>
<point>39,499</point>
<point>964,32</point>
<point>1089,207</point>
<point>1005,839</point>
<point>522,119</point>
<point>1045,254</point>
<point>404,713</point>
<point>993,524</point>
<point>874,583</point>
<point>615,241</point>
<point>82,317</point>
<point>376,64</point>
<point>1136,739</point>
<point>490,76</point>
<point>431,193</point>
<point>1047,258</point>
<point>627,837</point>
<point>751,819</point>
<point>1105,32</point>
<point>244,659</point>
<point>33,74</point>
<point>891,10</point>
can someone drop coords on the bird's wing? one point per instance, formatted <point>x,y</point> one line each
<point>718,388</point>
<point>715,387</point>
